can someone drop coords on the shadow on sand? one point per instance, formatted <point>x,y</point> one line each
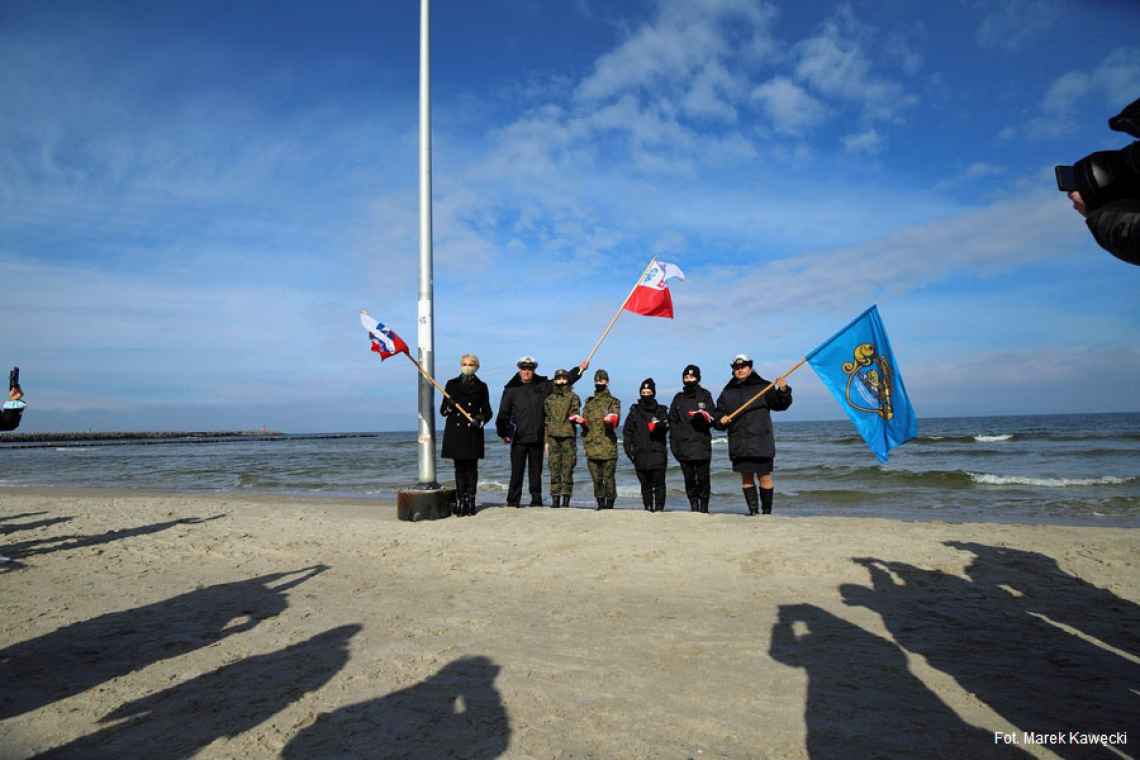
<point>863,701</point>
<point>83,655</point>
<point>178,722</point>
<point>457,712</point>
<point>989,632</point>
<point>45,523</point>
<point>34,547</point>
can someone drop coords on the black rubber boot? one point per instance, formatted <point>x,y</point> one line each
<point>601,503</point>
<point>554,501</point>
<point>694,504</point>
<point>566,500</point>
<point>536,501</point>
<point>610,502</point>
<point>704,508</point>
<point>471,508</point>
<point>766,495</point>
<point>753,500</point>
<point>659,504</point>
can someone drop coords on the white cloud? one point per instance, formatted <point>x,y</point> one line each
<point>868,142</point>
<point>1114,83</point>
<point>983,169</point>
<point>1010,24</point>
<point>789,106</point>
<point>836,64</point>
<point>676,45</point>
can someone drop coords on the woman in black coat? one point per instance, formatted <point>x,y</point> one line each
<point>462,439</point>
<point>751,445</point>
<point>690,418</point>
<point>643,438</point>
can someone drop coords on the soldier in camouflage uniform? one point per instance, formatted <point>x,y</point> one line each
<point>601,415</point>
<point>562,409</point>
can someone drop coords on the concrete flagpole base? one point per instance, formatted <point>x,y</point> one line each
<point>420,503</point>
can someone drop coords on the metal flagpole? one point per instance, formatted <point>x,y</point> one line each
<point>426,326</point>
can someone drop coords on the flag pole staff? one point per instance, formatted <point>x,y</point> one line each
<point>425,322</point>
<point>434,382</point>
<point>620,309</point>
<point>767,388</point>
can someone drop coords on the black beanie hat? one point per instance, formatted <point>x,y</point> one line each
<point>648,383</point>
<point>692,369</point>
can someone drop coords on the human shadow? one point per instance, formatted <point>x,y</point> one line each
<point>1038,585</point>
<point>80,656</point>
<point>20,516</point>
<point>45,523</point>
<point>38,546</point>
<point>455,712</point>
<point>862,699</point>
<point>178,722</point>
<point>1037,676</point>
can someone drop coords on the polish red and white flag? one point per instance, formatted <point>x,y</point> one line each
<point>384,339</point>
<point>651,296</point>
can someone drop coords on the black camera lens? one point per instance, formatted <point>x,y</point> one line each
<point>13,378</point>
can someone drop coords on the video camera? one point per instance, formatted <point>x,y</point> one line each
<point>14,378</point>
<point>1107,175</point>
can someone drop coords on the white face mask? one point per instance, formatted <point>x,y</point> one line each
<point>467,369</point>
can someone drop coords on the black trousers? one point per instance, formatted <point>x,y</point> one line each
<point>10,419</point>
<point>526,456</point>
<point>696,473</point>
<point>652,488</point>
<point>466,476</point>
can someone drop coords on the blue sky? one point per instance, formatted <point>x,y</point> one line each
<point>195,199</point>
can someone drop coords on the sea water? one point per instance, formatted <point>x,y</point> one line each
<point>1073,469</point>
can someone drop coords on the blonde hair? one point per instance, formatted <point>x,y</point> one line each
<point>472,357</point>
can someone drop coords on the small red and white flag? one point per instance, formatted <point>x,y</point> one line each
<point>651,296</point>
<point>384,340</point>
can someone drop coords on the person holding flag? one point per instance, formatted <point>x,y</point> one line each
<point>751,444</point>
<point>600,417</point>
<point>562,409</point>
<point>463,433</point>
<point>521,422</point>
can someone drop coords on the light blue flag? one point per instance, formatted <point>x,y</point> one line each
<point>857,365</point>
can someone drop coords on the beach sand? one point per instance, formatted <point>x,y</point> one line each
<point>161,626</point>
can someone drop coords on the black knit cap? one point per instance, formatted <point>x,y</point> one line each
<point>693,370</point>
<point>648,383</point>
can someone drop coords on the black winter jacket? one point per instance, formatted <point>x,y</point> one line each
<point>522,412</point>
<point>461,439</point>
<point>646,449</point>
<point>689,436</point>
<point>1116,227</point>
<point>750,432</point>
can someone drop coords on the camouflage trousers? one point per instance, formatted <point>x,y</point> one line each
<point>603,472</point>
<point>561,460</point>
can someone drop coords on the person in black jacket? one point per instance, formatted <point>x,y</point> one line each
<point>643,438</point>
<point>13,409</point>
<point>521,422</point>
<point>690,420</point>
<point>751,445</point>
<point>462,439</point>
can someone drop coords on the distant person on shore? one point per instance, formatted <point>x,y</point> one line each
<point>13,409</point>
<point>690,437</point>
<point>599,439</point>
<point>521,422</point>
<point>643,437</point>
<point>562,411</point>
<point>751,444</point>
<point>463,439</point>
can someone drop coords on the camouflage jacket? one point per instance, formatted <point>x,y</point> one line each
<point>558,407</point>
<point>600,440</point>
